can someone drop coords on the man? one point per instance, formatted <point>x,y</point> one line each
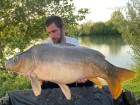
<point>55,28</point>
<point>56,31</point>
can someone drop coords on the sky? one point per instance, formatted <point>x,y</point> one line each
<point>101,10</point>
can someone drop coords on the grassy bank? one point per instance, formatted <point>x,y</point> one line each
<point>134,84</point>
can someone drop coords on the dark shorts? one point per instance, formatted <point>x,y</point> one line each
<point>47,85</point>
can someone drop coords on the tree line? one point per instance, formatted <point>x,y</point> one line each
<point>97,28</point>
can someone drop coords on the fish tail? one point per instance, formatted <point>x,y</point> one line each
<point>114,83</point>
<point>115,87</point>
<point>124,74</point>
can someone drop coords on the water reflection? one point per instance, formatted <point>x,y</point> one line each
<point>113,47</point>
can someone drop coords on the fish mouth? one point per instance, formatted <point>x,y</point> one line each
<point>6,66</point>
<point>3,68</point>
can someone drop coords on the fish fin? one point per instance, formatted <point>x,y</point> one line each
<point>96,81</point>
<point>99,54</point>
<point>65,89</point>
<point>115,87</point>
<point>36,85</point>
<point>67,44</point>
<point>124,74</point>
<point>114,82</point>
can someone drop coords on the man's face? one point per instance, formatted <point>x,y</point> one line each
<point>55,33</point>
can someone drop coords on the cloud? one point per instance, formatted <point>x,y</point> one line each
<point>101,10</point>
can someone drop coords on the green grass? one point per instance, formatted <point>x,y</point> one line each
<point>134,84</point>
<point>12,81</point>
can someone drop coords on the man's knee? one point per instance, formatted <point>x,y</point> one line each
<point>5,100</point>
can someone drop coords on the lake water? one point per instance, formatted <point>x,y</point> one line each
<point>113,47</point>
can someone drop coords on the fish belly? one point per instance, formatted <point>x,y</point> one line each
<point>63,73</point>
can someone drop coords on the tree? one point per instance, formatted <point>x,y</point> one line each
<point>97,28</point>
<point>132,34</point>
<point>115,22</point>
<point>130,26</point>
<point>85,28</point>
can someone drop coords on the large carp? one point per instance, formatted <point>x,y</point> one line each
<point>64,64</point>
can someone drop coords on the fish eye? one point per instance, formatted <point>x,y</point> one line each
<point>15,59</point>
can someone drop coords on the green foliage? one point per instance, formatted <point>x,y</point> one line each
<point>85,28</point>
<point>98,28</point>
<point>129,26</point>
<point>103,28</point>
<point>117,19</point>
<point>12,81</point>
<point>110,29</point>
<point>132,34</point>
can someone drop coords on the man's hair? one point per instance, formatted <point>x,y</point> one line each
<point>56,20</point>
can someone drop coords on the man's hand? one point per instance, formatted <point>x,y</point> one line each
<point>82,80</point>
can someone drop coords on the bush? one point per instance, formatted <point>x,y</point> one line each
<point>11,82</point>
